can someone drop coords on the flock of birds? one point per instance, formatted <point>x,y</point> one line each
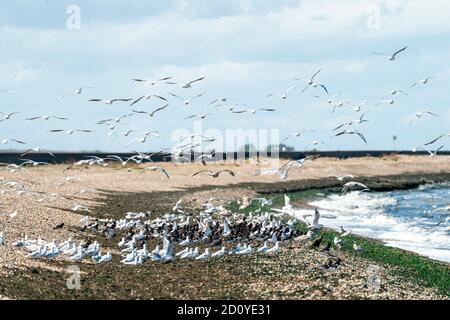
<point>179,235</point>
<point>214,228</point>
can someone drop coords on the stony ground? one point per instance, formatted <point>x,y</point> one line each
<point>43,198</point>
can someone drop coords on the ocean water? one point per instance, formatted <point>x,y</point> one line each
<point>401,219</point>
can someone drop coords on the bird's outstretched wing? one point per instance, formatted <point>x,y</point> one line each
<point>398,51</point>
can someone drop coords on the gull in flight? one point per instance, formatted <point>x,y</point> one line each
<point>187,101</point>
<point>311,82</point>
<point>147,97</point>
<point>387,101</point>
<point>351,122</point>
<point>35,150</point>
<point>296,134</point>
<point>418,115</point>
<point>153,82</point>
<point>436,139</point>
<point>45,117</point>
<point>8,116</point>
<point>69,131</point>
<point>220,100</point>
<point>315,224</point>
<point>6,141</point>
<point>253,111</point>
<point>109,102</point>
<point>391,57</point>
<point>329,100</point>
<point>352,131</point>
<point>397,91</point>
<point>282,95</point>
<point>315,143</point>
<point>162,170</point>
<point>423,81</point>
<point>354,185</point>
<point>151,114</point>
<point>76,91</point>
<point>214,174</point>
<point>430,152</point>
<point>200,116</point>
<point>190,83</point>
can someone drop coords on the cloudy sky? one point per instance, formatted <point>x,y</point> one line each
<point>246,49</point>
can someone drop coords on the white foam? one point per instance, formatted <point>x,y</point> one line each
<point>365,214</point>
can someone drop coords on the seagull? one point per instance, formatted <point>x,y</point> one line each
<point>352,131</point>
<point>430,152</point>
<point>423,81</point>
<point>204,255</point>
<point>147,97</point>
<point>387,101</point>
<point>351,122</point>
<point>264,248</point>
<point>46,118</point>
<point>162,170</point>
<point>36,149</point>
<point>253,111</point>
<point>152,82</point>
<point>69,131</point>
<point>109,102</point>
<point>200,116</point>
<point>315,143</point>
<point>356,247</point>
<point>151,114</point>
<point>397,91</point>
<point>389,56</point>
<point>187,101</point>
<point>190,83</point>
<point>282,95</point>
<point>274,249</point>
<point>353,185</point>
<point>311,82</point>
<point>76,91</point>
<point>214,174</point>
<point>8,116</point>
<point>296,134</point>
<point>436,139</point>
<point>219,253</point>
<point>6,141</point>
<point>315,224</point>
<point>419,115</point>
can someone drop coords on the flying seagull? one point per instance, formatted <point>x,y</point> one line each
<point>68,131</point>
<point>6,141</point>
<point>8,116</point>
<point>354,185</point>
<point>162,170</point>
<point>419,115</point>
<point>352,131</point>
<point>214,174</point>
<point>282,95</point>
<point>311,82</point>
<point>146,97</point>
<point>45,117</point>
<point>190,83</point>
<point>187,101</point>
<point>389,56</point>
<point>423,81</point>
<point>153,82</point>
<point>109,102</point>
<point>151,114</point>
<point>76,91</point>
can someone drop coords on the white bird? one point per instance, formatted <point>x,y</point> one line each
<point>391,57</point>
<point>6,141</point>
<point>385,101</point>
<point>190,83</point>
<point>109,102</point>
<point>296,134</point>
<point>264,248</point>
<point>69,131</point>
<point>351,122</point>
<point>315,143</point>
<point>311,82</point>
<point>155,81</point>
<point>423,81</point>
<point>36,150</point>
<point>337,242</point>
<point>151,114</point>
<point>76,91</point>
<point>353,185</point>
<point>430,152</point>
<point>147,97</point>
<point>45,117</point>
<point>162,170</point>
<point>219,253</point>
<point>282,95</point>
<point>204,255</point>
<point>396,92</point>
<point>315,224</point>
<point>186,242</point>
<point>352,132</point>
<point>7,116</point>
<point>436,139</point>
<point>356,247</point>
<point>418,115</point>
<point>274,249</point>
<point>200,116</point>
<point>187,101</point>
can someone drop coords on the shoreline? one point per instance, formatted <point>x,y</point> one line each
<point>298,270</point>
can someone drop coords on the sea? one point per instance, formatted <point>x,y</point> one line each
<point>404,219</point>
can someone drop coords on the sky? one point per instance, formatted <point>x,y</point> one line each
<point>246,49</point>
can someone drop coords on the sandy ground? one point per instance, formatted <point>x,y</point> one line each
<point>44,196</point>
